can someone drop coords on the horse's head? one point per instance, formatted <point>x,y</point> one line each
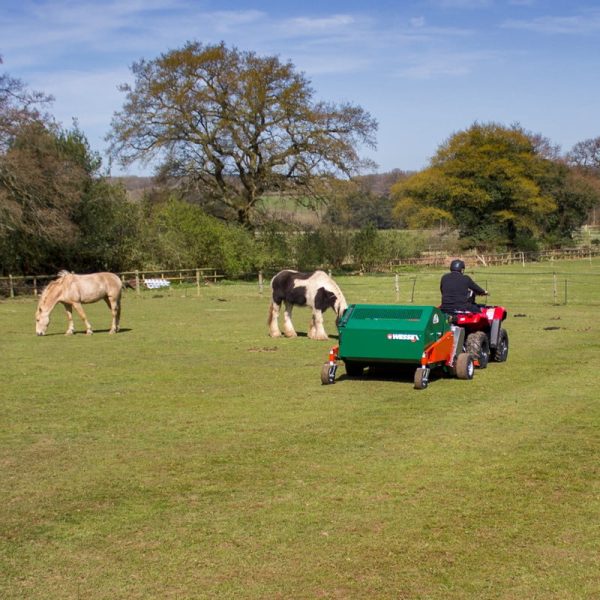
<point>42,318</point>
<point>340,306</point>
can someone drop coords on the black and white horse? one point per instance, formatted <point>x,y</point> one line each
<point>315,289</point>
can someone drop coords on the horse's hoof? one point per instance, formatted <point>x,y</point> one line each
<point>275,334</point>
<point>69,332</point>
<point>291,334</point>
<point>89,332</point>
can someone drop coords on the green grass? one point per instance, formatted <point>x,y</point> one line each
<point>191,456</point>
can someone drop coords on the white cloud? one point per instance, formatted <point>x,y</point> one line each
<point>308,25</point>
<point>417,22</point>
<point>466,4</point>
<point>573,25</point>
<point>444,64</point>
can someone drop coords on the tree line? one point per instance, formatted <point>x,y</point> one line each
<point>227,129</point>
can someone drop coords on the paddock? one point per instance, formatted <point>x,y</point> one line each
<point>196,453</point>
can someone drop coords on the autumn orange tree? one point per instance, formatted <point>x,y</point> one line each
<point>233,125</point>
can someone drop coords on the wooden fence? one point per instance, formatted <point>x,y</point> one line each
<point>442,259</point>
<point>19,285</point>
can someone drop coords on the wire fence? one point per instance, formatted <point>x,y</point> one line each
<point>579,283</point>
<point>527,288</point>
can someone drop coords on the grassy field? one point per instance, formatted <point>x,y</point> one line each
<point>191,456</point>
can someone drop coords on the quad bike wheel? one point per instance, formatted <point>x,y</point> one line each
<point>478,346</point>
<point>464,366</point>
<point>500,353</point>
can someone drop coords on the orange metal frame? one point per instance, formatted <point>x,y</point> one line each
<point>440,351</point>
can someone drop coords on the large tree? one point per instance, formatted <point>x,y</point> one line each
<point>586,154</point>
<point>499,186</point>
<point>234,125</point>
<point>19,106</point>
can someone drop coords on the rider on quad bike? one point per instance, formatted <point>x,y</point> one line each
<point>485,338</point>
<point>458,290</point>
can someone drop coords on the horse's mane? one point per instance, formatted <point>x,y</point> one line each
<point>53,283</point>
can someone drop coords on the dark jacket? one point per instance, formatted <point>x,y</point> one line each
<point>458,292</point>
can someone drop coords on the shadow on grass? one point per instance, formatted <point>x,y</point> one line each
<point>399,373</point>
<point>96,331</point>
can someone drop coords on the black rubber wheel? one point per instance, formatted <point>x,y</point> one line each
<point>325,374</point>
<point>500,353</point>
<point>478,346</point>
<point>353,369</point>
<point>421,381</point>
<point>464,366</point>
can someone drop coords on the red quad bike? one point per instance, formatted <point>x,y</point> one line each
<point>485,338</point>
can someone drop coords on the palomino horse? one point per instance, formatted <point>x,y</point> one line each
<point>315,289</point>
<point>73,291</point>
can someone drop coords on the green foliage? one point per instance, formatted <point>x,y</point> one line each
<point>109,230</point>
<point>367,247</point>
<point>359,209</point>
<point>494,184</point>
<point>185,235</point>
<point>394,244</point>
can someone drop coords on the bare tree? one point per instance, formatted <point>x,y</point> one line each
<point>586,154</point>
<point>18,106</point>
<point>234,126</point>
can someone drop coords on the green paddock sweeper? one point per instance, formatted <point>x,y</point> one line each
<point>373,335</point>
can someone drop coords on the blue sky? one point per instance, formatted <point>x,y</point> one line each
<point>424,69</point>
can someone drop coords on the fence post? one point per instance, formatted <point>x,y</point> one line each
<point>197,282</point>
<point>397,286</point>
<point>137,282</point>
<point>12,289</point>
<point>260,282</point>
<point>35,286</point>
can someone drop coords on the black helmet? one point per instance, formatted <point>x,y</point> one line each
<point>457,265</point>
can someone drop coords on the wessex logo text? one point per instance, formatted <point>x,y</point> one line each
<point>411,337</point>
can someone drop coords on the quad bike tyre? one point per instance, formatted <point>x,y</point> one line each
<point>500,353</point>
<point>478,346</point>
<point>464,366</point>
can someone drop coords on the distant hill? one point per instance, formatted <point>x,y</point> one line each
<point>376,183</point>
<point>134,185</point>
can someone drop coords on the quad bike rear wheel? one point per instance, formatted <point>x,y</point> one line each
<point>478,346</point>
<point>464,366</point>
<point>500,353</point>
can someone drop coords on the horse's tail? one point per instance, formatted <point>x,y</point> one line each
<point>270,313</point>
<point>130,283</point>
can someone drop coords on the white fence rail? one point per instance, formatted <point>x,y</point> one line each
<point>14,285</point>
